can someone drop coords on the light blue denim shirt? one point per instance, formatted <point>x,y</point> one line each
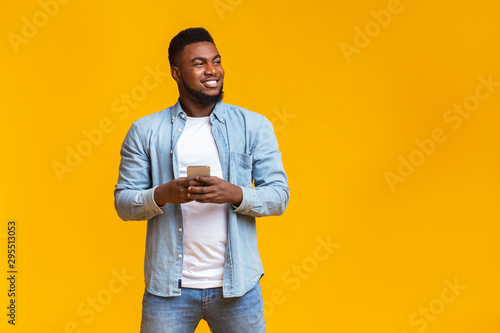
<point>248,151</point>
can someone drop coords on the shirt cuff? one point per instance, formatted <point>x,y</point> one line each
<point>150,205</point>
<point>248,202</point>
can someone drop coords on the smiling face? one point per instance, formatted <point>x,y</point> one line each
<point>199,74</point>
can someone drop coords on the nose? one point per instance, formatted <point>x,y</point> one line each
<point>210,69</point>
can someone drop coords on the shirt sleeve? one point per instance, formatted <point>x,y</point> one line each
<point>270,193</point>
<point>134,194</point>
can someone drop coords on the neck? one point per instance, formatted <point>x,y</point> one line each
<point>195,108</point>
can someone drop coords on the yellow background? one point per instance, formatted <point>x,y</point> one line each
<point>342,122</point>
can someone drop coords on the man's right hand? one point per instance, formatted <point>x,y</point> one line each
<point>175,191</point>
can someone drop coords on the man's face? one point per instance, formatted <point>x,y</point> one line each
<point>200,73</point>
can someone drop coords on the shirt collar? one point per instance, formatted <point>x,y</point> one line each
<point>219,111</point>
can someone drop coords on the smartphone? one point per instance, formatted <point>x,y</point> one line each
<point>198,170</point>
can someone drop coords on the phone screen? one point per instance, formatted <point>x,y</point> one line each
<point>198,170</point>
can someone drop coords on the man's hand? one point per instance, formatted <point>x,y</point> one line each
<point>175,191</point>
<point>214,190</point>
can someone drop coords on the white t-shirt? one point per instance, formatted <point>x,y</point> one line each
<point>205,224</point>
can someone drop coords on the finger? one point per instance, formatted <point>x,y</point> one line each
<point>182,198</point>
<point>196,197</point>
<point>183,181</point>
<point>198,189</point>
<point>194,183</point>
<point>205,180</point>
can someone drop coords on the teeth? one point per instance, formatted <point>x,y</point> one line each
<point>211,82</point>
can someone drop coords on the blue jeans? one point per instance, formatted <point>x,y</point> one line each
<point>181,314</point>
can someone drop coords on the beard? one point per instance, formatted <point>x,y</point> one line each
<point>204,98</point>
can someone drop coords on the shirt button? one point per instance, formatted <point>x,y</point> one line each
<point>178,130</point>
<point>180,256</point>
<point>171,151</point>
<point>180,229</point>
<point>182,116</point>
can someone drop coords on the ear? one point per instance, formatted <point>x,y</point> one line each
<point>176,73</point>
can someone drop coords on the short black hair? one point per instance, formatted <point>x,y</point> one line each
<point>186,37</point>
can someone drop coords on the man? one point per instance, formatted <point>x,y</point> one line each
<point>201,260</point>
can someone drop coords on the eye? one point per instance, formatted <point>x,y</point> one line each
<point>198,64</point>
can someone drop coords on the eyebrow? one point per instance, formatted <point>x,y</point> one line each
<point>205,59</point>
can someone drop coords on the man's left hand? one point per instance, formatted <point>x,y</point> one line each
<point>215,190</point>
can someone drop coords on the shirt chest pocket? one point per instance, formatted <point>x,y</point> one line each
<point>242,166</point>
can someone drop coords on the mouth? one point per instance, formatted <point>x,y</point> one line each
<point>211,83</point>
